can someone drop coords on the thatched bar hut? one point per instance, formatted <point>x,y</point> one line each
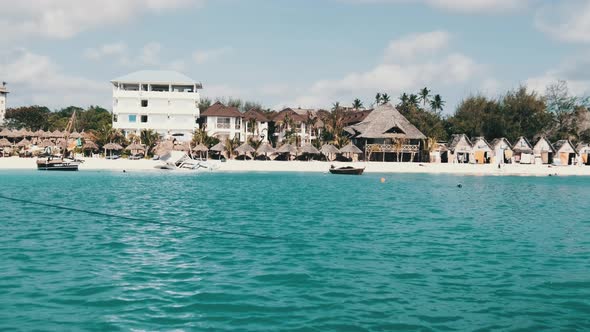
<point>482,151</point>
<point>584,153</point>
<point>502,150</point>
<point>387,134</point>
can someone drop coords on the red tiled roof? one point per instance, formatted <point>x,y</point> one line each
<point>218,109</point>
<point>256,115</point>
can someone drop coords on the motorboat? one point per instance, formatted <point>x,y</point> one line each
<point>56,163</point>
<point>347,170</point>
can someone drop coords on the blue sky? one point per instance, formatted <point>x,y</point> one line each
<point>293,53</point>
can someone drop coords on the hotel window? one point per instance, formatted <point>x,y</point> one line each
<point>144,118</point>
<point>115,118</point>
<point>115,102</point>
<point>132,118</point>
<point>144,103</point>
<point>238,123</point>
<point>223,123</point>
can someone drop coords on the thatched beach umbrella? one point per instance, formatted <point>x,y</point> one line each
<point>5,132</point>
<point>287,148</point>
<point>244,149</point>
<point>329,150</point>
<point>90,145</point>
<point>200,148</point>
<point>75,135</point>
<point>57,134</point>
<point>183,146</point>
<point>112,147</point>
<point>46,143</point>
<point>309,150</point>
<point>219,147</point>
<point>23,143</point>
<point>351,149</point>
<point>163,147</point>
<point>135,147</point>
<point>5,143</point>
<point>39,133</point>
<point>265,149</point>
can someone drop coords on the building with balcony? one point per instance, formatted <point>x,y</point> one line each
<point>165,101</point>
<point>222,122</point>
<point>3,94</point>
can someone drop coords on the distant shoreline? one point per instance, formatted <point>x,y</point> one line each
<point>95,164</point>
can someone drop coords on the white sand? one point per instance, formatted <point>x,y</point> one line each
<point>317,166</point>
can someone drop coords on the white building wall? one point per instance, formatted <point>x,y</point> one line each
<point>168,113</point>
<point>2,107</point>
<point>214,130</point>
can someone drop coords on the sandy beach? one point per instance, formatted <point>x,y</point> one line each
<point>96,164</point>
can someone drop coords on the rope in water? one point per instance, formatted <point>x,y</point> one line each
<point>102,214</point>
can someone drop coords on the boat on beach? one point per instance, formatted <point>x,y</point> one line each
<point>347,170</point>
<point>178,160</point>
<point>56,163</point>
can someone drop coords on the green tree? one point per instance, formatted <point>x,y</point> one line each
<point>149,138</point>
<point>525,113</point>
<point>424,94</point>
<point>385,98</point>
<point>563,108</point>
<point>30,117</point>
<point>357,104</point>
<point>478,116</point>
<point>378,99</point>
<point>437,104</point>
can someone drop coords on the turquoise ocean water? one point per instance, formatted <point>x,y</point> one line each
<point>415,253</point>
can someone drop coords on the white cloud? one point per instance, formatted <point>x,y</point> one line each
<point>435,69</point>
<point>566,21</point>
<point>119,50</point>
<point>36,79</point>
<point>66,18</point>
<point>462,6</point>
<point>150,54</point>
<point>414,45</point>
<point>202,56</point>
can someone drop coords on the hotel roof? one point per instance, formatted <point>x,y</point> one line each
<point>155,76</point>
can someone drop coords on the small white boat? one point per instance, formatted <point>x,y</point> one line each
<point>177,160</point>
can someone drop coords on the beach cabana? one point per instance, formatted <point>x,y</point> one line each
<point>584,153</point>
<point>309,151</point>
<point>351,150</point>
<point>460,148</point>
<point>288,150</point>
<point>200,148</point>
<point>543,151</point>
<point>46,143</point>
<point>219,148</point>
<point>482,151</point>
<point>439,153</point>
<point>245,150</point>
<point>330,151</point>
<point>502,150</point>
<point>112,147</point>
<point>5,143</point>
<point>136,148</point>
<point>523,151</point>
<point>265,149</point>
<point>566,152</point>
<point>23,143</point>
<point>90,145</point>
<point>5,132</point>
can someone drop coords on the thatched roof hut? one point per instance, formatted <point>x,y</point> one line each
<point>5,132</point>
<point>351,148</point>
<point>544,150</point>
<point>385,121</point>
<point>75,135</point>
<point>200,148</point>
<point>566,152</point>
<point>522,146</point>
<point>46,143</point>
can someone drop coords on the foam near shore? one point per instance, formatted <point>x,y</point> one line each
<point>96,164</point>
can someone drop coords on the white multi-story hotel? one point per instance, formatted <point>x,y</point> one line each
<point>3,93</point>
<point>165,101</point>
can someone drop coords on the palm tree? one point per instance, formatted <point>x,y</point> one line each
<point>357,104</point>
<point>336,106</point>
<point>335,123</point>
<point>437,103</point>
<point>252,126</point>
<point>385,98</point>
<point>413,100</point>
<point>424,94</point>
<point>404,99</point>
<point>149,138</point>
<point>310,122</point>
<point>377,99</point>
<point>230,146</point>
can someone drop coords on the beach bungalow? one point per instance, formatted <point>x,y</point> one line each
<point>439,153</point>
<point>502,150</point>
<point>482,151</point>
<point>460,149</point>
<point>584,153</point>
<point>543,151</point>
<point>222,122</point>
<point>523,151</point>
<point>386,134</point>
<point>255,124</point>
<point>566,152</point>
